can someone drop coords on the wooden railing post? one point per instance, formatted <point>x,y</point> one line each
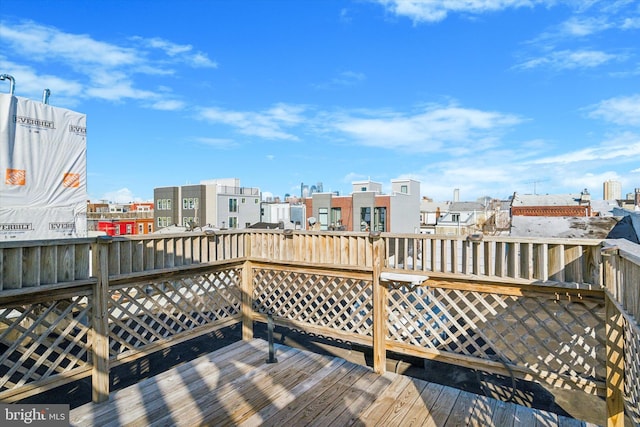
<point>246,288</point>
<point>615,363</point>
<point>379,307</point>
<point>100,323</point>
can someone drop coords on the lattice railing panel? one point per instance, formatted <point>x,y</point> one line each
<point>632,371</point>
<point>142,314</point>
<point>318,299</point>
<point>542,334</point>
<point>41,340</point>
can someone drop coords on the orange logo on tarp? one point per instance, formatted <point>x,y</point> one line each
<point>16,177</point>
<point>71,180</point>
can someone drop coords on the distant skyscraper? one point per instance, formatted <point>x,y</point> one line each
<point>612,190</point>
<point>306,191</point>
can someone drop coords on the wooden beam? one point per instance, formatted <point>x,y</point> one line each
<point>246,288</point>
<point>100,326</point>
<point>379,309</point>
<point>615,363</point>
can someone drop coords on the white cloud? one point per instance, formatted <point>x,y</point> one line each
<point>123,195</point>
<point>624,147</point>
<point>571,59</point>
<point>435,11</point>
<point>624,110</point>
<point>447,128</point>
<point>97,69</point>
<point>579,26</point>
<point>220,143</point>
<point>344,79</point>
<point>268,124</point>
<point>168,105</point>
<point>183,53</point>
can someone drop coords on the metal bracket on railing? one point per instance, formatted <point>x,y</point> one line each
<point>12,82</point>
<point>271,358</point>
<point>45,96</point>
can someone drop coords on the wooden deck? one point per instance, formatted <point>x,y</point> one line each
<point>235,386</point>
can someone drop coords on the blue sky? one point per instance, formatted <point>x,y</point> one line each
<point>487,96</point>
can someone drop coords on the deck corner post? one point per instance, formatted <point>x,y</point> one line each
<point>379,307</point>
<point>615,363</point>
<point>246,305</point>
<point>100,323</point>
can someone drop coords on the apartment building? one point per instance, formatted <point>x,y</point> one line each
<point>116,219</point>
<point>367,208</point>
<point>217,203</point>
<point>551,204</point>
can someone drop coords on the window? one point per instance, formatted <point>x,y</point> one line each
<point>336,217</point>
<point>233,206</point>
<point>140,229</point>
<point>233,221</point>
<point>163,204</point>
<point>163,221</point>
<point>363,189</point>
<point>323,218</point>
<point>256,201</point>
<point>149,228</point>
<point>455,217</point>
<point>243,200</point>
<point>365,219</point>
<point>190,203</point>
<point>404,189</point>
<point>380,219</point>
<point>187,221</point>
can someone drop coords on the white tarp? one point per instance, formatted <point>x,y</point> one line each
<point>43,170</point>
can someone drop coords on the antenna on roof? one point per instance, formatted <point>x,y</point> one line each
<point>535,183</point>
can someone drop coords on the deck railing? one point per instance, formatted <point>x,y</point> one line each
<point>535,309</point>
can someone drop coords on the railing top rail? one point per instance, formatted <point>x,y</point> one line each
<point>508,239</point>
<point>627,250</point>
<point>45,242</point>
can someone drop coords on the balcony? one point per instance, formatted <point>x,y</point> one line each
<point>560,313</point>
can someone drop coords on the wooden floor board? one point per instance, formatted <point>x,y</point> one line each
<point>235,386</point>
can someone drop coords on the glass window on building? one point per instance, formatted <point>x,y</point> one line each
<point>190,203</point>
<point>365,219</point>
<point>404,189</point>
<point>380,219</point>
<point>140,228</point>
<point>233,221</point>
<point>336,217</point>
<point>323,218</point>
<point>149,228</point>
<point>233,206</point>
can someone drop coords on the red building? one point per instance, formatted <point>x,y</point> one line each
<point>118,227</point>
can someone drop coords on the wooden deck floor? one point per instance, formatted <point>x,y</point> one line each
<point>234,386</point>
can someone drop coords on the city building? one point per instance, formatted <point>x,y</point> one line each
<point>367,208</point>
<point>612,190</point>
<point>462,218</point>
<point>217,203</point>
<point>116,219</point>
<point>632,201</point>
<point>551,204</point>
